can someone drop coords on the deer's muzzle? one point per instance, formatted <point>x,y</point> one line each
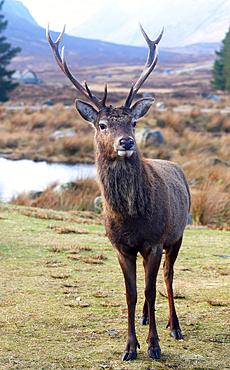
<point>124,146</point>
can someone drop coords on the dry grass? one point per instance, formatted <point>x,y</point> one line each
<point>211,206</point>
<point>204,156</point>
<point>30,134</point>
<point>198,141</point>
<point>79,195</point>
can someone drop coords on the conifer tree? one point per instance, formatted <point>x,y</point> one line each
<point>6,54</point>
<point>221,69</point>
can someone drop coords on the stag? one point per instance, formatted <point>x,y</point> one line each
<point>145,201</point>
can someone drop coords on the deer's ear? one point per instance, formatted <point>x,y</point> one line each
<point>87,112</point>
<point>141,107</point>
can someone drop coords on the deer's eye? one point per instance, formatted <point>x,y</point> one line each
<point>102,126</point>
<point>134,124</point>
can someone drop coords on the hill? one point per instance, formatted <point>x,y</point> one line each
<point>36,53</point>
<point>16,8</point>
<point>186,22</point>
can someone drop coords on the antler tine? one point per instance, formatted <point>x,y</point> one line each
<point>149,66</point>
<point>88,90</point>
<point>129,98</point>
<point>105,95</point>
<point>55,46</point>
<point>62,64</point>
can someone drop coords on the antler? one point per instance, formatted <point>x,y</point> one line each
<point>62,64</point>
<point>149,66</point>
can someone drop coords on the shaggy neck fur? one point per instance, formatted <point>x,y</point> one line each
<point>124,185</point>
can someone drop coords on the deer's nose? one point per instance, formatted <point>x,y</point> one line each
<point>127,144</point>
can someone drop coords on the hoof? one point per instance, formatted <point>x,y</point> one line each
<point>144,321</point>
<point>176,334</point>
<point>154,353</point>
<point>129,356</point>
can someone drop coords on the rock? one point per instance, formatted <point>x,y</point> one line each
<point>112,332</point>
<point>35,194</point>
<point>160,104</point>
<point>186,164</point>
<point>63,133</point>
<point>199,178</point>
<point>47,102</point>
<point>190,219</point>
<point>146,137</point>
<point>147,95</point>
<point>213,97</point>
<point>98,204</point>
<point>217,160</point>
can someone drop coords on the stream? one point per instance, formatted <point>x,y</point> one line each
<point>25,175</point>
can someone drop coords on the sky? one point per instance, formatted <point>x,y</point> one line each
<point>70,12</point>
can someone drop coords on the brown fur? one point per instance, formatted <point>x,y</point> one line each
<point>146,202</point>
<point>146,205</point>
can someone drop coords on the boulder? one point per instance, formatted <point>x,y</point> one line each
<point>35,194</point>
<point>146,137</point>
<point>98,204</point>
<point>63,133</point>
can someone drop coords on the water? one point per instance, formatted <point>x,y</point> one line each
<point>25,175</point>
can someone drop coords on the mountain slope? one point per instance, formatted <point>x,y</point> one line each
<point>17,9</point>
<point>36,53</point>
<point>36,50</point>
<point>186,22</point>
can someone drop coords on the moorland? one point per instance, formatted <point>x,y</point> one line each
<point>195,128</point>
<point>58,309</point>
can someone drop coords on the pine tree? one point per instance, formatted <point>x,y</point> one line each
<point>221,69</point>
<point>6,54</point>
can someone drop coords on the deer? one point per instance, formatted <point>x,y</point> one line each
<point>146,202</point>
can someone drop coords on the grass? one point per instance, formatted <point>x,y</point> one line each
<point>78,195</point>
<point>198,141</point>
<point>29,134</point>
<point>63,306</point>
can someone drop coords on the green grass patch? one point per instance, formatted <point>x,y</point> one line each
<point>62,299</point>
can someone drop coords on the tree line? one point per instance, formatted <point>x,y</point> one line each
<point>6,54</point>
<point>221,68</point>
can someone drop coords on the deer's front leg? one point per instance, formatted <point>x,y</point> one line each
<point>128,265</point>
<point>152,263</point>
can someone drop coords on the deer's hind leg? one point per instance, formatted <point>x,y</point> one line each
<point>170,258</point>
<point>145,313</point>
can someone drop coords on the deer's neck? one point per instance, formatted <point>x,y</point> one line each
<point>124,185</point>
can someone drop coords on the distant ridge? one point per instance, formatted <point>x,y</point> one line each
<point>186,22</point>
<point>23,31</point>
<point>201,48</point>
<point>17,9</point>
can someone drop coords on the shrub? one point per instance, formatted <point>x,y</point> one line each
<point>71,146</point>
<point>210,206</point>
<point>78,195</point>
<point>215,123</point>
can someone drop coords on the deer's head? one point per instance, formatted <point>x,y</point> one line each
<point>115,126</point>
